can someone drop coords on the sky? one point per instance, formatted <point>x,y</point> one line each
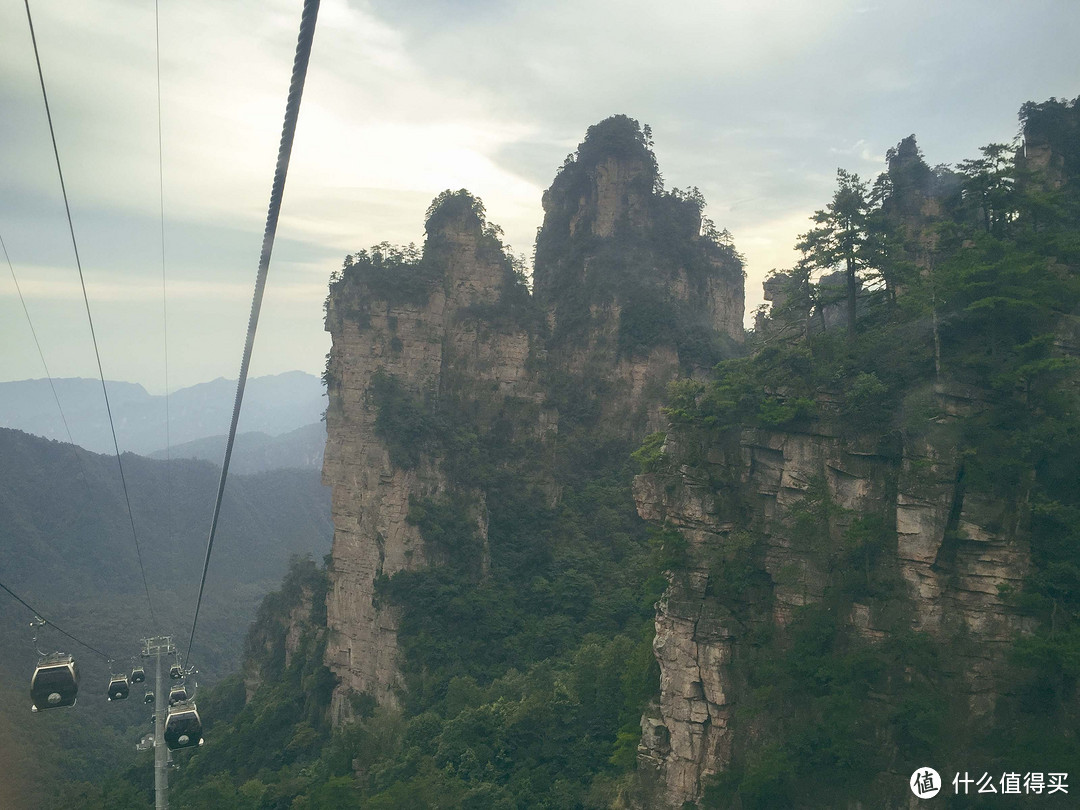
<point>758,104</point>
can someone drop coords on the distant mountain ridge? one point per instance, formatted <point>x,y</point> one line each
<point>274,405</point>
<point>255,452</point>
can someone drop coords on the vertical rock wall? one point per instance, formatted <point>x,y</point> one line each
<point>428,347</point>
<point>955,551</point>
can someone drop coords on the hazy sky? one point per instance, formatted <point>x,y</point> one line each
<point>757,103</point>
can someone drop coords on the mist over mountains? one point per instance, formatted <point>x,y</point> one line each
<point>273,405</point>
<point>257,452</point>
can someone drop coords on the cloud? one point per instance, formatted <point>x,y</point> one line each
<point>755,103</point>
<point>122,289</point>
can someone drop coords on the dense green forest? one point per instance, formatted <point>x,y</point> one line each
<point>525,685</point>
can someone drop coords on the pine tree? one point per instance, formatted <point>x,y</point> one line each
<point>842,237</point>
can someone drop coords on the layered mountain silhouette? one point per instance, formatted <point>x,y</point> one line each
<point>273,405</point>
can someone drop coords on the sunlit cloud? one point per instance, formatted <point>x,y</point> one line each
<point>126,290</point>
<point>757,104</point>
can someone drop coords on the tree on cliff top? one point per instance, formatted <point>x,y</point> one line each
<point>842,237</point>
<point>622,137</point>
<point>449,205</point>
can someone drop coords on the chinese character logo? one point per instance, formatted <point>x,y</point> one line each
<point>925,783</point>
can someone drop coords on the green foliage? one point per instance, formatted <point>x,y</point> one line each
<point>775,411</point>
<point>618,136</point>
<point>649,319</point>
<point>866,401</point>
<point>257,752</point>
<point>646,321</point>
<point>669,547</point>
<point>492,718</point>
<point>405,420</point>
<point>449,530</point>
<point>453,205</point>
<point>843,237</point>
<point>112,795</point>
<point>771,389</point>
<point>397,275</point>
<point>847,709</point>
<point>736,576</point>
<point>651,453</point>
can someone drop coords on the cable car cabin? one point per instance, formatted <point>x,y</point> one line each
<point>118,687</point>
<point>55,682</point>
<point>177,694</point>
<point>175,672</point>
<point>149,698</point>
<point>138,675</point>
<point>183,728</point>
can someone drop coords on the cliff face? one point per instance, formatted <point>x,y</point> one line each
<point>634,293</point>
<point>427,344</point>
<point>453,337</point>
<point>955,554</point>
<point>290,626</point>
<point>611,235</point>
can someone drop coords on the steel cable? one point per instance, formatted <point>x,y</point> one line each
<point>86,300</point>
<point>288,130</point>
<point>53,625</point>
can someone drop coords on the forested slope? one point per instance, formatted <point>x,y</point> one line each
<point>66,548</point>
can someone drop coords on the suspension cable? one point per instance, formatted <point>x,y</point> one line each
<point>89,317</point>
<point>55,626</point>
<point>164,292</point>
<point>288,130</point>
<point>48,374</point>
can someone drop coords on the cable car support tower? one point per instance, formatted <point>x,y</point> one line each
<point>156,648</point>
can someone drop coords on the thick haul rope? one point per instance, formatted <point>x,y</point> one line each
<point>288,130</point>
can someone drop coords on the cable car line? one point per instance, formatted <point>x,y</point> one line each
<point>288,130</point>
<point>86,301</point>
<point>164,291</point>
<point>161,205</point>
<point>55,682</point>
<point>48,374</point>
<point>53,625</point>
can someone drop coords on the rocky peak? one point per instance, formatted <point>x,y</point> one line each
<point>910,177</point>
<point>447,346</point>
<point>616,193</point>
<point>1051,133</point>
<point>611,179</point>
<point>466,249</point>
<point>623,266</point>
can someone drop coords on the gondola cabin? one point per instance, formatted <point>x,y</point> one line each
<point>175,672</point>
<point>138,675</point>
<point>183,728</point>
<point>118,688</point>
<point>149,698</point>
<point>55,682</point>
<point>177,694</point>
